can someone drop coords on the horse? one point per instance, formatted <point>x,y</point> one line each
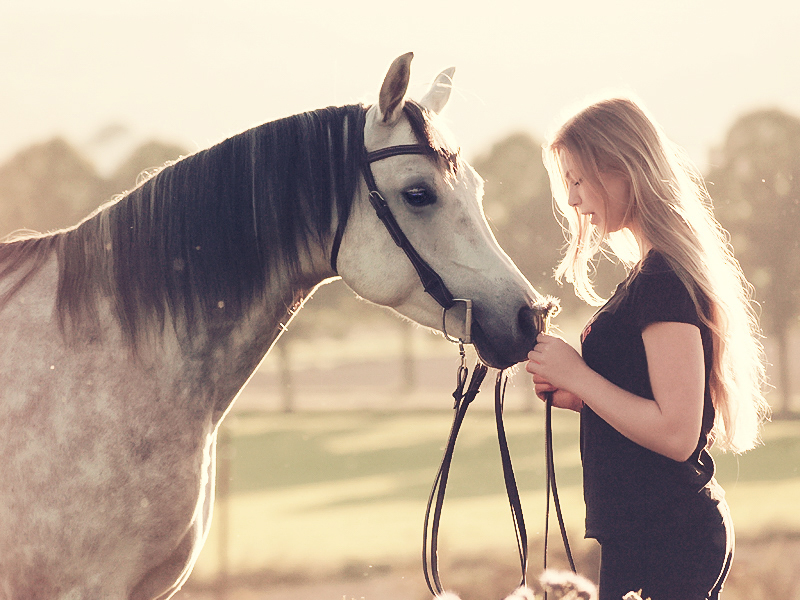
<point>125,339</point>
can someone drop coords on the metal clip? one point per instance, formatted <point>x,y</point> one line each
<point>461,376</point>
<point>467,339</point>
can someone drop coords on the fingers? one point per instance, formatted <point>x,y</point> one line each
<point>541,386</point>
<point>546,337</point>
<point>542,342</point>
<point>542,392</point>
<point>536,355</point>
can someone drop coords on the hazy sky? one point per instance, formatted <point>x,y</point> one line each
<point>195,71</point>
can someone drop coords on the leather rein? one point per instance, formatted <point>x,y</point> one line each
<point>430,535</point>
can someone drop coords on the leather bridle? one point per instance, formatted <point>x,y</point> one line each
<point>463,395</point>
<point>431,281</point>
<point>435,286</point>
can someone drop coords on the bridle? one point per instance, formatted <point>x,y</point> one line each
<point>435,286</point>
<point>431,281</point>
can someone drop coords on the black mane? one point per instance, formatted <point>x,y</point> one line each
<point>194,245</point>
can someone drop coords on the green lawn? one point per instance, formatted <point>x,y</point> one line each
<point>321,490</point>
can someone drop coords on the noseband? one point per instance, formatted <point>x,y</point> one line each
<point>431,281</point>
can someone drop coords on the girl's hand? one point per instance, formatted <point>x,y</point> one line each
<point>561,398</point>
<point>541,386</point>
<point>555,362</point>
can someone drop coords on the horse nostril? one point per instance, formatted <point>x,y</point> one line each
<point>527,320</point>
<point>533,320</point>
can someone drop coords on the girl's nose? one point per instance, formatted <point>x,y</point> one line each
<point>574,198</point>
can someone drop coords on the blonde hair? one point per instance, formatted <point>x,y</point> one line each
<point>671,209</point>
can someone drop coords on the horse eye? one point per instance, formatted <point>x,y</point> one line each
<point>418,197</point>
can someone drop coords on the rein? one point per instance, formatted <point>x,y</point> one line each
<point>550,471</point>
<point>430,556</point>
<point>430,535</point>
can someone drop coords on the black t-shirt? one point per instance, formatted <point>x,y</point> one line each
<point>627,486</point>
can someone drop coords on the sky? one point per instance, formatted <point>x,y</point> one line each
<point>195,71</point>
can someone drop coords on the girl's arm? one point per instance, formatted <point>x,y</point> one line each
<point>670,425</point>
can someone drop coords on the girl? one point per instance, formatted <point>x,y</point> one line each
<point>670,365</point>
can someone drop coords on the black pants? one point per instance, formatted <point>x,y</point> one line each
<point>686,556</point>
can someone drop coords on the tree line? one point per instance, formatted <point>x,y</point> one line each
<point>753,178</point>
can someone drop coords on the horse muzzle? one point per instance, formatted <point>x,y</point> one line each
<point>502,349</point>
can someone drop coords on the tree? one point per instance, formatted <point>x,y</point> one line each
<point>46,186</point>
<point>147,157</point>
<point>519,206</point>
<point>52,185</point>
<point>756,187</point>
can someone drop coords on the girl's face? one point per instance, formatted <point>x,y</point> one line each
<point>605,206</point>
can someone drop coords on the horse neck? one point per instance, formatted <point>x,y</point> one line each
<point>207,258</point>
<point>212,345</point>
<point>220,356</point>
<point>230,361</point>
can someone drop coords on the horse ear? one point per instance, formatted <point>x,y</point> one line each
<point>393,91</point>
<point>439,94</point>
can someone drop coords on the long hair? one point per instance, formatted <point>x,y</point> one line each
<point>671,209</point>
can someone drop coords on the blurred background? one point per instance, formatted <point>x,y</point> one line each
<point>327,458</point>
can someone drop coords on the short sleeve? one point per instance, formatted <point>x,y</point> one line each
<point>659,295</point>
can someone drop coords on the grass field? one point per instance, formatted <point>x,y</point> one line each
<point>319,492</point>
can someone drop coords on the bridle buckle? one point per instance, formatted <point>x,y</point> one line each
<point>467,339</point>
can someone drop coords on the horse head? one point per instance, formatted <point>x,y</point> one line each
<point>436,199</point>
